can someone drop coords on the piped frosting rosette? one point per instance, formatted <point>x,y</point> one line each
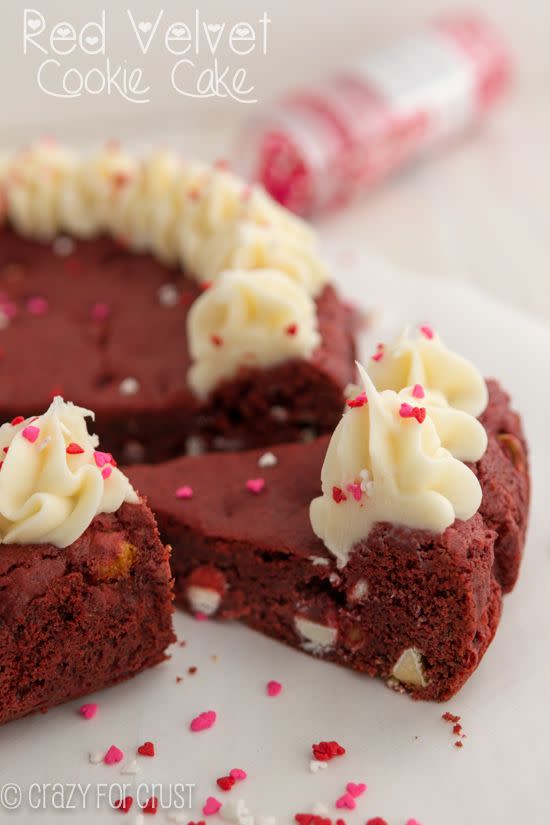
<point>54,480</point>
<point>387,462</point>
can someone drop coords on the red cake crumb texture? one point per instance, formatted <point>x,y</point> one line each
<point>86,331</point>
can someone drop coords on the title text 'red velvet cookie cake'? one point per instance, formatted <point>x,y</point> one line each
<point>398,567</point>
<point>184,306</point>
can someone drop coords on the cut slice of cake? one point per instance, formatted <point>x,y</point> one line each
<point>85,580</point>
<point>391,571</point>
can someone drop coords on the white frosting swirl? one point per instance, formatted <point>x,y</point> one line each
<point>248,319</point>
<point>382,465</point>
<point>50,494</point>
<point>425,360</point>
<point>202,217</point>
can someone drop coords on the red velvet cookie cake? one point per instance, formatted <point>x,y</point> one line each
<point>188,309</point>
<point>85,581</point>
<point>397,569</point>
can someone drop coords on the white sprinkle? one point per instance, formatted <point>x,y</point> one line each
<point>4,320</point>
<point>236,811</point>
<point>63,246</point>
<point>319,809</point>
<point>279,413</point>
<point>315,766</point>
<point>168,295</point>
<point>334,579</point>
<point>308,435</point>
<point>130,768</point>
<point>95,757</point>
<point>178,819</point>
<point>129,386</point>
<point>194,445</point>
<point>138,819</point>
<point>44,444</point>
<point>267,820</point>
<point>268,460</point>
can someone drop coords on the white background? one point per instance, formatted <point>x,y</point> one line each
<point>478,211</point>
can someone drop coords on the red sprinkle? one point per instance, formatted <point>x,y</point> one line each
<point>217,340</point>
<point>151,806</point>
<point>338,495</point>
<point>325,751</point>
<point>255,485</point>
<point>31,433</point>
<point>124,805</point>
<point>74,449</point>
<point>427,331</point>
<point>377,820</point>
<point>312,819</point>
<point>225,782</point>
<point>408,411</point>
<point>203,721</point>
<point>274,688</point>
<point>450,717</point>
<point>184,492</point>
<point>88,711</point>
<point>17,420</point>
<point>358,401</point>
<point>291,329</point>
<point>147,749</point>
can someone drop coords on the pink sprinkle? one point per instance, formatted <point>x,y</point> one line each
<point>346,801</point>
<point>106,472</point>
<point>238,774</point>
<point>359,401</point>
<point>100,312</point>
<point>113,755</point>
<point>379,354</point>
<point>31,433</point>
<point>101,459</point>
<point>356,789</point>
<point>407,411</point>
<point>184,492</point>
<point>200,617</point>
<point>8,308</point>
<point>255,485</point>
<point>37,305</point>
<point>355,490</point>
<point>203,721</point>
<point>427,331</point>
<point>412,822</point>
<point>418,391</point>
<point>274,688</point>
<point>88,711</point>
<point>211,806</point>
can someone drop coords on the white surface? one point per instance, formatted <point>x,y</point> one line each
<point>402,750</point>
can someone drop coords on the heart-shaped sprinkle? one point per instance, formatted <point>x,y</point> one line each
<point>88,711</point>
<point>31,433</point>
<point>238,774</point>
<point>315,766</point>
<point>145,26</point>
<point>211,806</point>
<point>124,805</point>
<point>346,801</point>
<point>74,449</point>
<point>147,749</point>
<point>151,806</point>
<point>255,485</point>
<point>225,783</point>
<point>113,755</point>
<point>203,721</point>
<point>185,492</point>
<point>274,688</point>
<point>356,788</point>
<point>17,420</point>
<point>130,768</point>
<point>338,495</point>
<point>418,391</point>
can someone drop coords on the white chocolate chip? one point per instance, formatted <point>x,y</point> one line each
<point>267,460</point>
<point>168,295</point>
<point>129,386</point>
<point>203,599</point>
<point>317,638</point>
<point>63,246</point>
<point>408,669</point>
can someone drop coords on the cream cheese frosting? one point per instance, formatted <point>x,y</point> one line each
<point>386,462</point>
<point>54,480</point>
<point>424,359</point>
<point>204,218</point>
<point>248,319</point>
